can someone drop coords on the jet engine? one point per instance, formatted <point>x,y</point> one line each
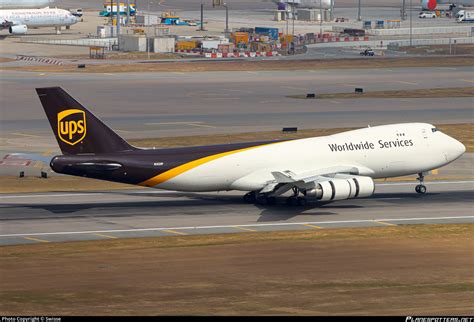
<point>18,29</point>
<point>428,5</point>
<point>342,188</point>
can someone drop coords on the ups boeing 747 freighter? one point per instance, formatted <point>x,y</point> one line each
<point>329,168</point>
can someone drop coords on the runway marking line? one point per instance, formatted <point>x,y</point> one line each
<point>106,236</point>
<point>291,87</point>
<point>349,85</point>
<point>384,223</point>
<point>201,125</point>
<point>467,80</point>
<point>173,232</point>
<point>407,83</point>
<point>37,239</point>
<point>27,135</point>
<point>313,226</point>
<point>246,229</point>
<point>435,171</point>
<point>171,229</point>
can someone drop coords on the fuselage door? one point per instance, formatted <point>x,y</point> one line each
<point>425,134</point>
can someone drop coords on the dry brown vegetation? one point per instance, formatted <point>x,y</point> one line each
<point>246,65</point>
<point>405,270</point>
<point>458,49</point>
<point>416,93</point>
<point>5,60</point>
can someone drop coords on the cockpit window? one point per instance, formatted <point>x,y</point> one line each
<point>434,130</point>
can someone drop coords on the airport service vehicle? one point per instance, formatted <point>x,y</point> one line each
<point>427,14</point>
<point>432,4</point>
<point>465,16</point>
<point>77,12</point>
<point>17,21</point>
<point>112,9</point>
<point>367,52</point>
<point>329,168</point>
<point>16,4</point>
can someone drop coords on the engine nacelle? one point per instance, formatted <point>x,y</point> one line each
<point>428,5</point>
<point>340,189</point>
<point>18,29</point>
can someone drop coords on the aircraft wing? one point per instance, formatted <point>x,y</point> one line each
<point>286,180</point>
<point>7,24</point>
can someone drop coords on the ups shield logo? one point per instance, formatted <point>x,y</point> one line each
<point>72,126</point>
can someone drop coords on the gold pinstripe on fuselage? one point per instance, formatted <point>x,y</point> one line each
<point>167,175</point>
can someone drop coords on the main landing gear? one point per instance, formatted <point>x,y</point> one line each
<point>295,200</point>
<point>421,188</point>
<point>262,199</point>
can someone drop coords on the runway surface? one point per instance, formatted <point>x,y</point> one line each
<point>57,217</point>
<point>141,105</point>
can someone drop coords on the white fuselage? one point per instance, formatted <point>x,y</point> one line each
<point>46,17</point>
<point>377,152</point>
<point>16,4</point>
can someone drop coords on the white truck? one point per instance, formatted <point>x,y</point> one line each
<point>465,16</point>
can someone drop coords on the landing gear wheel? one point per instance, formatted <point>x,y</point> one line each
<point>302,201</point>
<point>250,197</point>
<point>420,188</point>
<point>271,200</point>
<point>292,201</point>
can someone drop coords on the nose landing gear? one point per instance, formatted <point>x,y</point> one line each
<point>421,188</point>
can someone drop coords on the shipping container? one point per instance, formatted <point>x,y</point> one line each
<point>272,32</point>
<point>225,48</point>
<point>186,44</point>
<point>213,43</point>
<point>240,37</point>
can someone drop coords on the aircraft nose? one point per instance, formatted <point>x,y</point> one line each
<point>461,148</point>
<point>457,148</point>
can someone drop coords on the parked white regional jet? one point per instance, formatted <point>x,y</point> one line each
<point>432,4</point>
<point>328,168</point>
<point>17,21</point>
<point>16,4</point>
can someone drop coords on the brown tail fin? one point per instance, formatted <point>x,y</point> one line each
<point>77,130</point>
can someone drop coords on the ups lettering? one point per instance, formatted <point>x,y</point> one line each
<point>71,127</point>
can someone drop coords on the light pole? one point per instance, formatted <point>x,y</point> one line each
<point>118,24</point>
<point>226,18</point>
<point>128,12</point>
<point>201,28</point>
<point>320,17</point>
<point>293,32</point>
<point>359,15</point>
<point>148,29</point>
<point>403,11</point>
<point>287,29</point>
<point>411,25</point>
